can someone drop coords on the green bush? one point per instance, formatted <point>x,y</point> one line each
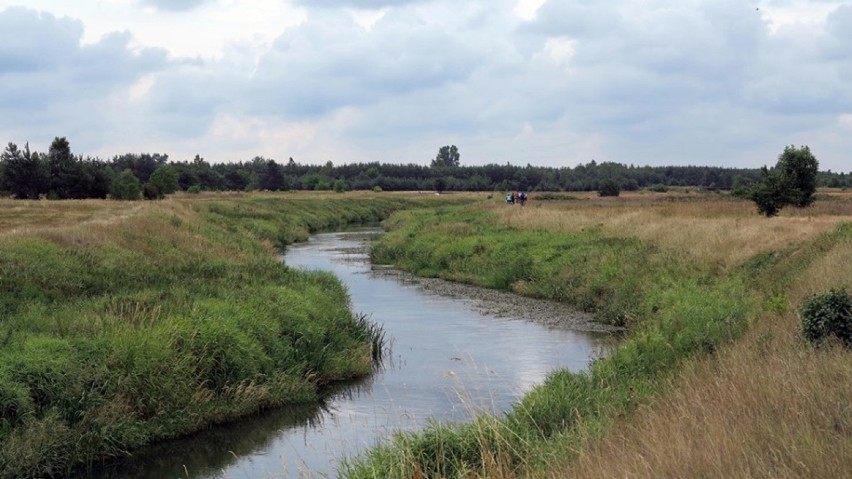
<point>125,187</point>
<point>827,314</point>
<point>609,188</point>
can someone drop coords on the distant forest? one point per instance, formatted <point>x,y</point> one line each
<point>59,174</point>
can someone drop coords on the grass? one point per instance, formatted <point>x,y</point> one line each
<point>707,288</point>
<point>128,323</point>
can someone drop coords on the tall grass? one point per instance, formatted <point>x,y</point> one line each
<point>637,262</point>
<point>125,325</point>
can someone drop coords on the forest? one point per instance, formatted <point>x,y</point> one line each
<point>61,174</point>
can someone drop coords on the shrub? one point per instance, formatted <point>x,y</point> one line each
<point>609,188</point>
<point>340,186</point>
<point>126,186</point>
<point>828,314</point>
<point>377,189</point>
<point>658,188</point>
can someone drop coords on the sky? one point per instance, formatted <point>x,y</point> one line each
<point>541,82</point>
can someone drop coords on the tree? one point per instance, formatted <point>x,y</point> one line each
<point>271,177</point>
<point>771,194</point>
<point>126,186</point>
<point>791,182</point>
<point>63,169</point>
<point>799,168</point>
<point>163,180</point>
<point>447,156</point>
<point>439,184</point>
<point>24,173</point>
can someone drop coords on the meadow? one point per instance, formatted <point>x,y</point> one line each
<point>712,380</point>
<point>126,323</point>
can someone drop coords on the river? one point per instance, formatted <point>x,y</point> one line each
<point>447,361</point>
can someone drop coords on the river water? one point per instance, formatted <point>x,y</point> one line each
<point>447,361</point>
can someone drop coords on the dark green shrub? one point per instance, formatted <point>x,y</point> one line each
<point>828,314</point>
<point>658,188</point>
<point>609,188</point>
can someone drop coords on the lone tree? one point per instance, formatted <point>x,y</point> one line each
<point>447,156</point>
<point>791,182</point>
<point>799,167</point>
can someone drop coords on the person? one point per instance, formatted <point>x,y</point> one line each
<point>509,198</point>
<point>522,197</point>
<point>517,197</point>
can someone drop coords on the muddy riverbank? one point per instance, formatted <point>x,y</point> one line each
<point>503,304</point>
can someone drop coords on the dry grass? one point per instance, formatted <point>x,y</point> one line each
<point>719,233</point>
<point>769,405</point>
<point>26,216</point>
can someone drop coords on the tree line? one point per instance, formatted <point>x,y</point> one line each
<point>60,174</point>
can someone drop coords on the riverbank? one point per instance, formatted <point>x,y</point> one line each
<point>688,277</point>
<point>505,304</point>
<point>128,323</point>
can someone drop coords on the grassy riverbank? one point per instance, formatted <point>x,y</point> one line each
<point>693,277</point>
<point>126,323</point>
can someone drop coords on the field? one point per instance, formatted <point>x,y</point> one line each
<point>713,380</point>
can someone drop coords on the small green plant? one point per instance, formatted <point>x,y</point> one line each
<point>377,189</point>
<point>194,189</point>
<point>776,304</point>
<point>825,315</point>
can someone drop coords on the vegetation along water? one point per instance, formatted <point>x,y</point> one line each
<point>127,323</point>
<point>713,380</point>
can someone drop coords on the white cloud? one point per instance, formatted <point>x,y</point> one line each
<point>720,82</point>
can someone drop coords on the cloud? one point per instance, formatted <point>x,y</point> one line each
<point>175,5</point>
<point>635,81</point>
<point>32,41</point>
<point>53,85</point>
<point>360,4</point>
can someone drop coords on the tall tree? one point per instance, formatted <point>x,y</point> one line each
<point>24,173</point>
<point>447,156</point>
<point>799,168</point>
<point>63,168</point>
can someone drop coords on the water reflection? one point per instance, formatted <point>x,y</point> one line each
<point>447,362</point>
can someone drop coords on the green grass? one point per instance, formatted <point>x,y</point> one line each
<point>166,322</point>
<point>674,311</point>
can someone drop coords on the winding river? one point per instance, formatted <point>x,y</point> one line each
<point>447,361</point>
